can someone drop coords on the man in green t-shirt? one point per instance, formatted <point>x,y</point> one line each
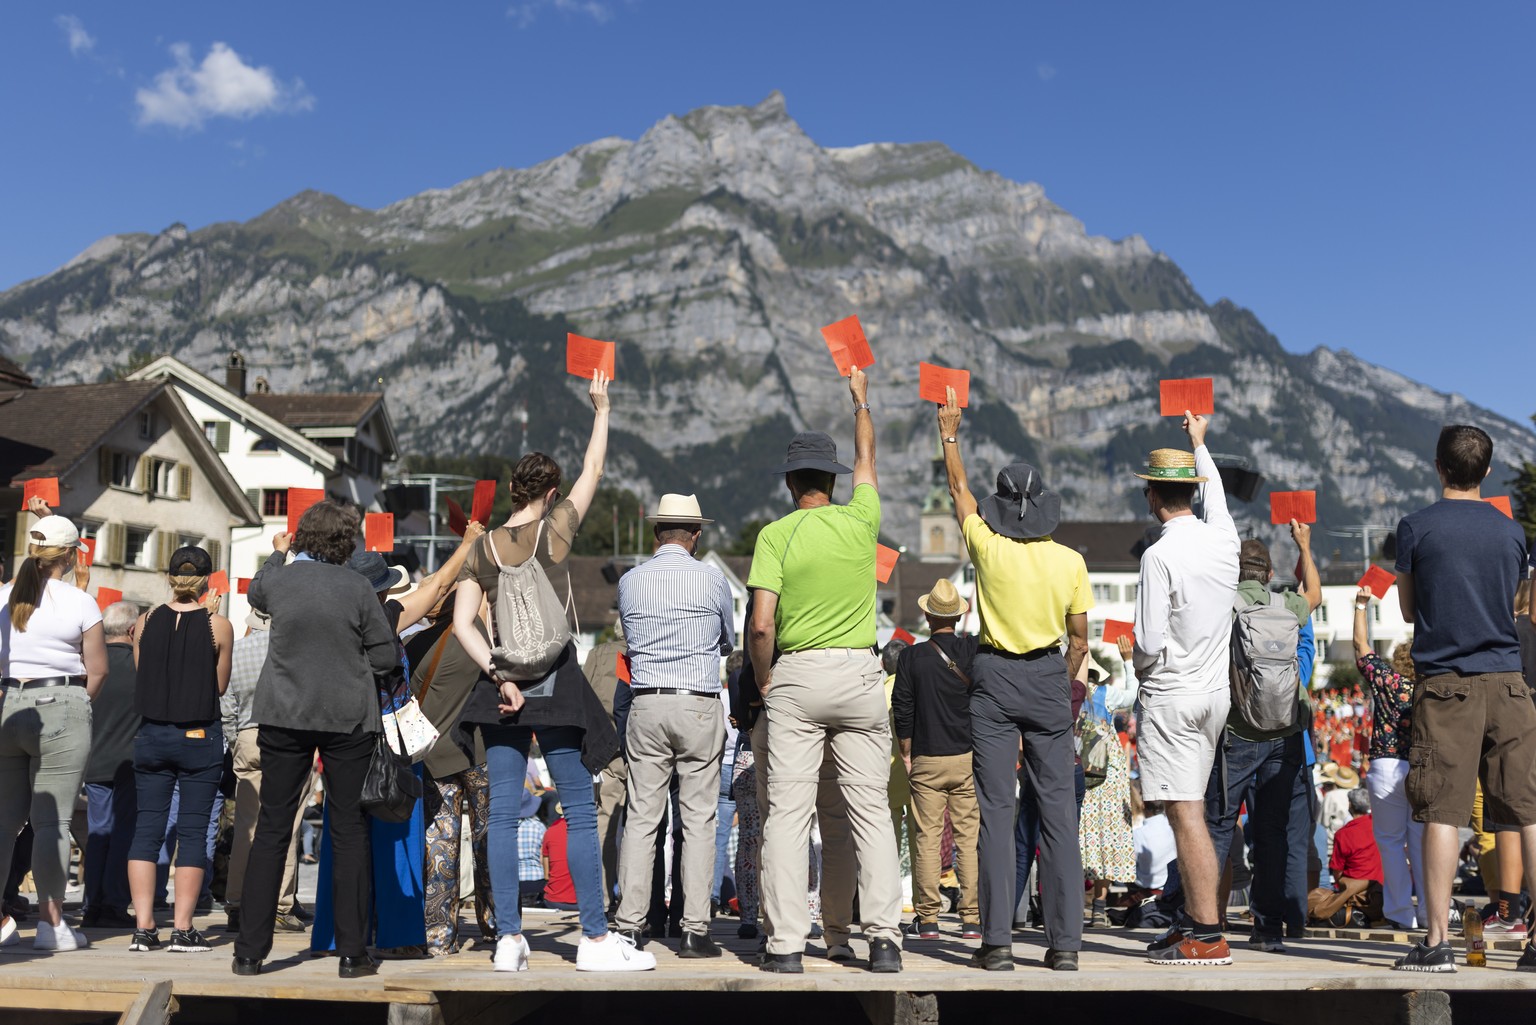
<point>814,576</point>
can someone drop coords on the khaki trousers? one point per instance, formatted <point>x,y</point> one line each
<point>609,792</point>
<point>825,702</point>
<point>247,758</point>
<point>667,734</point>
<point>938,783</point>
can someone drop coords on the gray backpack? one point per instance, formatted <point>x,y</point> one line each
<point>1265,680</point>
<point>529,622</point>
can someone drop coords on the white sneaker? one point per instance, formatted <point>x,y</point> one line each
<point>614,953</point>
<point>511,954</point>
<point>8,937</point>
<point>60,937</point>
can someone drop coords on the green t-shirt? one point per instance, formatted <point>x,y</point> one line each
<point>821,564</point>
<point>1253,592</point>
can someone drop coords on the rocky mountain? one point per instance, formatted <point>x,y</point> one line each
<point>712,249</point>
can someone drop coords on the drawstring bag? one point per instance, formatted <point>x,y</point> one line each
<point>530,623</point>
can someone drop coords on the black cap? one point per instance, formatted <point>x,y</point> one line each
<point>190,562</point>
<point>812,450</point>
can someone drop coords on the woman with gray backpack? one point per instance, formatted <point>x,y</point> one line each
<point>533,685</point>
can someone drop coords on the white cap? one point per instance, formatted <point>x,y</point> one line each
<point>54,532</point>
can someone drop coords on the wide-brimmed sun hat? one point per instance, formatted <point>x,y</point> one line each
<point>678,509</point>
<point>1341,776</point>
<point>811,450</point>
<point>943,601</point>
<point>1173,465</point>
<point>381,576</point>
<point>1023,507</point>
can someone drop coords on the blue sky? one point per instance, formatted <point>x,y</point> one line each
<point>1358,174</point>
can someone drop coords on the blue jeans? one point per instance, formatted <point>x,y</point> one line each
<point>1271,778</point>
<point>166,763</point>
<point>1026,830</point>
<point>506,756</point>
<point>110,813</point>
<point>726,814</point>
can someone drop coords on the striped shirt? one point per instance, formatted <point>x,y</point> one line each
<point>678,620</point>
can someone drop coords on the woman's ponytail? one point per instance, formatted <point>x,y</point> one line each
<point>31,578</point>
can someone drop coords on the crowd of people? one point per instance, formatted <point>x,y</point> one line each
<point>1025,783</point>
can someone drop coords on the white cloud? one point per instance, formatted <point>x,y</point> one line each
<point>80,41</point>
<point>524,14</point>
<point>223,85</point>
<point>1045,71</point>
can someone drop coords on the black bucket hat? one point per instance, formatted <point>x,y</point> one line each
<point>1022,508</point>
<point>381,576</point>
<point>812,450</point>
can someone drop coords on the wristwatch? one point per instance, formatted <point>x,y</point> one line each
<point>858,406</point>
<point>951,440</point>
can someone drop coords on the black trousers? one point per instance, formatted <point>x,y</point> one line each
<point>286,759</point>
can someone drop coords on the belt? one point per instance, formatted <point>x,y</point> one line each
<point>642,691</point>
<point>45,681</point>
<point>1028,656</point>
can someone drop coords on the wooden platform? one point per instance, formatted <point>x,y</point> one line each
<point>109,982</point>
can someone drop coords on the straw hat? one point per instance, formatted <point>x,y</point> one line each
<point>1341,776</point>
<point>944,601</point>
<point>1172,464</point>
<point>678,509</point>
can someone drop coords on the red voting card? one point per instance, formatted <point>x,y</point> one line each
<point>1114,629</point>
<point>932,380</point>
<point>242,585</point>
<point>87,551</point>
<point>379,532</point>
<point>107,596</point>
<point>584,357</point>
<point>903,636</point>
<point>848,345</point>
<point>1285,506</point>
<point>299,502</point>
<point>457,521</point>
<point>1196,394</point>
<point>1501,503</point>
<point>885,562</point>
<point>621,666</point>
<point>485,498</point>
<point>1378,580</point>
<point>218,583</point>
<point>46,488</point>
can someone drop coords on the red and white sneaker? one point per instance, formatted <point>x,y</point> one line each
<point>1193,953</point>
<point>1499,925</point>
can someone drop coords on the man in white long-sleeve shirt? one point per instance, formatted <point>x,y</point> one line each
<point>1183,631</point>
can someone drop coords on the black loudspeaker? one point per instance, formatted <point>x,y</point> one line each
<point>404,499</point>
<point>611,573</point>
<point>1240,482</point>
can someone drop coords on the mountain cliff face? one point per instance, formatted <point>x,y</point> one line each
<point>712,249</point>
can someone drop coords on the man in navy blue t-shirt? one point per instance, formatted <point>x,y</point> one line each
<point>1458,564</point>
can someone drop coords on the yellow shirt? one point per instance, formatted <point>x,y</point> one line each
<point>1024,589</point>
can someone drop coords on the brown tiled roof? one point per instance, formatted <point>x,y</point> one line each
<point>300,411</point>
<point>45,432</point>
<point>1106,547</point>
<point>596,599</point>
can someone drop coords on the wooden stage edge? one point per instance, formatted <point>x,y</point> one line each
<point>1329,974</point>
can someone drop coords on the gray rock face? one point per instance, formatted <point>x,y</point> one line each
<point>712,249</point>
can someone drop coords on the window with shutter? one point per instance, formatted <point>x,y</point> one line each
<point>184,483</point>
<point>221,436</point>
<point>117,543</point>
<point>146,475</point>
<point>253,496</point>
<point>165,547</point>
<point>104,466</point>
<point>215,550</point>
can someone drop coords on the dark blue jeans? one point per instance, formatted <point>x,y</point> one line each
<point>166,757</point>
<point>110,813</point>
<point>1026,829</point>
<point>1271,778</point>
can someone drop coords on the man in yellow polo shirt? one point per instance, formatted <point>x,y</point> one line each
<point>813,577</point>
<point>1029,592</point>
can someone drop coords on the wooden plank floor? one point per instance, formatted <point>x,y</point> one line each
<point>1113,961</point>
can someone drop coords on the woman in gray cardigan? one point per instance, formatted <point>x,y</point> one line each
<point>316,693</point>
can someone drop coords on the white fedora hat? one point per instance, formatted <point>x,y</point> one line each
<point>678,509</point>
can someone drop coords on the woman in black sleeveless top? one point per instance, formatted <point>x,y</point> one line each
<point>182,650</point>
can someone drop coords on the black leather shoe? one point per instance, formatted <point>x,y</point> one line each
<point>884,956</point>
<point>246,965</point>
<point>698,944</point>
<point>783,964</point>
<point>356,967</point>
<point>635,936</point>
<point>232,919</point>
<point>993,958</point>
<point>302,913</point>
<point>1061,960</point>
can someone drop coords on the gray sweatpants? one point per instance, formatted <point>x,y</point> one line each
<point>1032,698</point>
<point>667,733</point>
<point>45,739</point>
